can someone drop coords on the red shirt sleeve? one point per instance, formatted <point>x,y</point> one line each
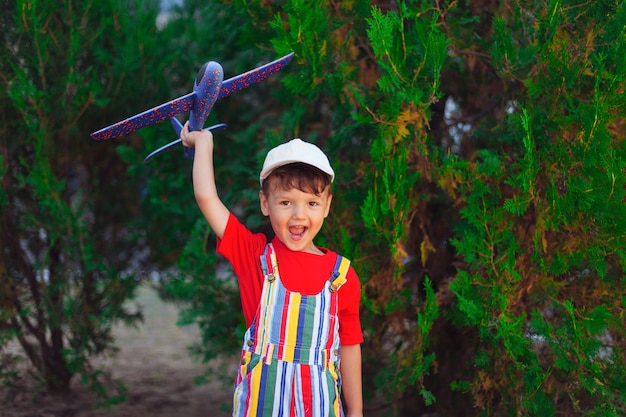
<point>349,301</point>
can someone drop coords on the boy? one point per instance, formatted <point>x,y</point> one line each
<point>302,316</point>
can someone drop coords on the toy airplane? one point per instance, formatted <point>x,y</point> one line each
<point>208,88</point>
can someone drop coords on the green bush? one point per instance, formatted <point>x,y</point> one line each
<point>480,159</point>
<point>480,193</point>
<point>66,207</point>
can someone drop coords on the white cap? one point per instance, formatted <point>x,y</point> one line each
<point>296,150</point>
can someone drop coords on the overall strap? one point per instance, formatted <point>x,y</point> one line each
<point>269,264</point>
<point>339,275</point>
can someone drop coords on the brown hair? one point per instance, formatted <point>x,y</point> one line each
<point>303,177</point>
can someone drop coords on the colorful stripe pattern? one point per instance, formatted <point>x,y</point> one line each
<point>290,356</point>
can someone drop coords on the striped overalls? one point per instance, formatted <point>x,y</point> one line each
<point>290,356</point>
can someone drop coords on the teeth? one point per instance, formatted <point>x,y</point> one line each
<point>297,229</point>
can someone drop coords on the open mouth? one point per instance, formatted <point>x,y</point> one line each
<point>297,232</point>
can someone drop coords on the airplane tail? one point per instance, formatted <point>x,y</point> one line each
<point>178,126</point>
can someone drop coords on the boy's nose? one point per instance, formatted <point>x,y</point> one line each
<point>298,211</point>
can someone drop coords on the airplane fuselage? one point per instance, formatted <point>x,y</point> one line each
<point>207,89</point>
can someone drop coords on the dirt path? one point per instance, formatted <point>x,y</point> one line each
<point>157,370</point>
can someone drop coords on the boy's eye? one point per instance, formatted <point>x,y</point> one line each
<point>314,203</point>
<point>284,203</point>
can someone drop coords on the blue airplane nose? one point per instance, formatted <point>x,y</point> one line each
<point>201,73</point>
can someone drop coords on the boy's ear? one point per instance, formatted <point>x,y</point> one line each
<point>264,204</point>
<point>327,209</point>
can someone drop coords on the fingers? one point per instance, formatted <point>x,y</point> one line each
<point>189,138</point>
<point>185,137</point>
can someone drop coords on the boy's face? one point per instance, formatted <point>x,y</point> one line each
<point>296,216</point>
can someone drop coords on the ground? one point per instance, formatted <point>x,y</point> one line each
<point>156,368</point>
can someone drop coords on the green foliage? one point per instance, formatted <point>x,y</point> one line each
<point>409,48</point>
<point>64,212</point>
<point>480,168</point>
<point>541,239</point>
<point>524,176</point>
<point>481,180</point>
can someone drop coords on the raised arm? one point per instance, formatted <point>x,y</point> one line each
<point>203,176</point>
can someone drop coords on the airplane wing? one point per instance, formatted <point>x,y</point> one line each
<point>185,103</point>
<point>239,82</point>
<point>155,115</point>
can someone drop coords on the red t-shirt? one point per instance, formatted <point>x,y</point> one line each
<point>301,272</point>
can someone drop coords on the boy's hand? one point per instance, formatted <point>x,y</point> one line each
<point>190,139</point>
